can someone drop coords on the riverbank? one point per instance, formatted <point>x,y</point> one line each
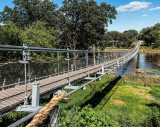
<point>143,49</point>
<point>149,51</point>
<point>129,101</point>
<point>145,71</point>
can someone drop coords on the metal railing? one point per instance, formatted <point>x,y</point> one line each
<point>63,61</point>
<point>28,64</point>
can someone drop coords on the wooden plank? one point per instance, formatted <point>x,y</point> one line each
<point>12,97</point>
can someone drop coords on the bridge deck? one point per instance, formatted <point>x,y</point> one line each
<point>12,97</point>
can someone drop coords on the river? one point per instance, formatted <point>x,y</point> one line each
<point>142,61</point>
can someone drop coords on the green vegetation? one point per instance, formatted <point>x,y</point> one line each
<point>86,117</point>
<point>12,117</point>
<point>124,39</point>
<point>78,23</point>
<point>148,48</point>
<point>151,36</point>
<point>26,12</point>
<point>130,101</point>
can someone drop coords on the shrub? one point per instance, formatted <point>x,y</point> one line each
<point>86,116</point>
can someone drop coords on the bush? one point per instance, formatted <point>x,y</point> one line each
<point>86,117</point>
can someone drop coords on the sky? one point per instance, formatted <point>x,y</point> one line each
<point>132,14</point>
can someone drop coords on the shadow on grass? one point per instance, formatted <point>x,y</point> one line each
<point>98,96</point>
<point>152,105</point>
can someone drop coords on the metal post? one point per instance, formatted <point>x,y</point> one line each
<point>35,94</point>
<point>105,57</point>
<point>87,61</point>
<point>94,64</point>
<point>94,55</point>
<point>98,57</point>
<point>25,72</point>
<point>75,64</point>
<point>68,66</point>
<point>28,58</point>
<point>58,62</point>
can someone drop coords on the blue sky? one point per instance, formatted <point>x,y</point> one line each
<point>132,14</point>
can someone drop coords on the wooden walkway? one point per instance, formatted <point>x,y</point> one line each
<point>12,97</point>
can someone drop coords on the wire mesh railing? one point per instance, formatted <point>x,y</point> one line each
<point>22,65</point>
<point>45,62</point>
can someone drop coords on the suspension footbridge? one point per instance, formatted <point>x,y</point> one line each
<point>94,62</point>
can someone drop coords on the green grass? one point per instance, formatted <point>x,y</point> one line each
<point>149,48</point>
<point>132,101</point>
<point>81,97</point>
<point>117,47</point>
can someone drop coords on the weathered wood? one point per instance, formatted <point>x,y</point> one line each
<point>10,98</point>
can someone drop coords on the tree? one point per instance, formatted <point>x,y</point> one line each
<point>39,36</point>
<point>128,37</point>
<point>10,35</point>
<point>151,35</point>
<point>25,12</point>
<point>113,36</point>
<point>83,22</point>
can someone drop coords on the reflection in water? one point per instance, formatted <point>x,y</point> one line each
<point>142,61</point>
<point>149,61</point>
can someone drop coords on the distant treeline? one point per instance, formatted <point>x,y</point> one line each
<point>77,24</point>
<point>125,39</point>
<point>150,36</point>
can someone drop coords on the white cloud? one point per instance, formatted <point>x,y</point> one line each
<point>152,9</point>
<point>144,15</point>
<point>133,6</point>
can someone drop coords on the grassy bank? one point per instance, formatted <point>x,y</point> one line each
<point>150,50</point>
<point>136,100</point>
<point>130,101</point>
<point>143,49</point>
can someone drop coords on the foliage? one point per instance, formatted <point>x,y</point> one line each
<point>84,22</point>
<point>10,35</point>
<point>122,101</point>
<point>124,39</point>
<point>86,117</point>
<point>128,37</point>
<point>40,36</point>
<point>25,12</point>
<point>12,117</point>
<point>151,35</point>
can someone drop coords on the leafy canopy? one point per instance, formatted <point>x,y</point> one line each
<point>84,22</point>
<point>25,12</point>
<point>151,35</point>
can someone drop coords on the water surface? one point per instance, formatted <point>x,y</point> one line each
<point>142,61</point>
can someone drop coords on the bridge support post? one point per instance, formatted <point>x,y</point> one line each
<point>87,61</point>
<point>35,100</point>
<point>68,59</point>
<point>94,64</point>
<point>105,57</point>
<point>101,73</point>
<point>58,61</point>
<point>118,65</point>
<point>25,72</point>
<point>35,94</point>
